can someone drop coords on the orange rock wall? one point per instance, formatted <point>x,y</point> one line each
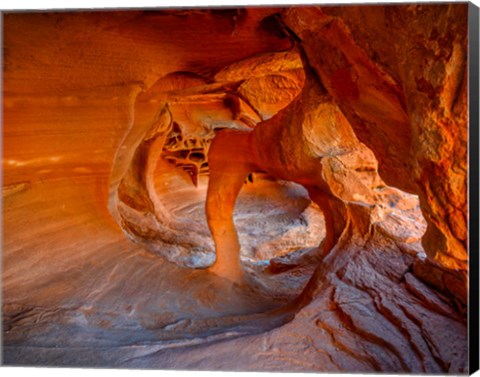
<point>399,74</point>
<point>71,79</point>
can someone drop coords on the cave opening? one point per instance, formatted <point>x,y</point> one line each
<point>161,199</point>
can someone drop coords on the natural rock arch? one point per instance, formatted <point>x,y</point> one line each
<point>289,146</point>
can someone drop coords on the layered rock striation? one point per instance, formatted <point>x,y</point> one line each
<point>169,201</point>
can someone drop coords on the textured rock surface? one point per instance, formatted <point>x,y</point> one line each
<point>412,90</point>
<point>108,125</point>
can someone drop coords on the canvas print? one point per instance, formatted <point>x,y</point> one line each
<point>273,189</point>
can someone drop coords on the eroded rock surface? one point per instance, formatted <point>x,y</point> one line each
<point>107,165</point>
<point>411,90</point>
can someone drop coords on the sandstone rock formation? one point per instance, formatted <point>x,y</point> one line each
<point>411,90</point>
<point>145,150</point>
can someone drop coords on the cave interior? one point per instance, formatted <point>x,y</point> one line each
<point>237,189</point>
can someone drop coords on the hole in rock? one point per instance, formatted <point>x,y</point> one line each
<point>278,226</point>
<point>196,157</point>
<point>163,195</point>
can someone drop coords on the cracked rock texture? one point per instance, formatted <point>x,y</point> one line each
<point>115,125</point>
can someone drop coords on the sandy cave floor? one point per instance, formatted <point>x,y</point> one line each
<point>78,292</point>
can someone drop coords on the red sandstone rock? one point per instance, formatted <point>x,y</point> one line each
<point>411,90</point>
<point>112,114</point>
